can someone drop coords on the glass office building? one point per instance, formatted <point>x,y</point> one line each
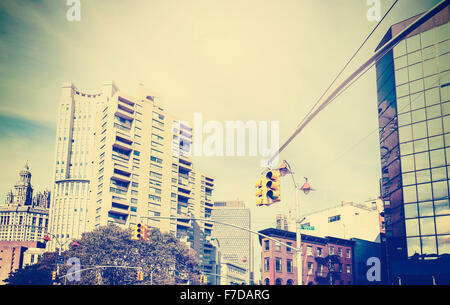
<point>413,87</point>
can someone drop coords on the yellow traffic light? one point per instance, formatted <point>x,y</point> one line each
<point>134,233</point>
<point>140,276</point>
<point>53,275</point>
<point>273,185</point>
<point>268,188</point>
<point>260,192</point>
<point>139,231</point>
<point>145,233</point>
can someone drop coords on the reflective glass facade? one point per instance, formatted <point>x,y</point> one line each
<point>413,83</point>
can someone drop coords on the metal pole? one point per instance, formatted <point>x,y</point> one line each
<point>218,261</point>
<point>298,237</point>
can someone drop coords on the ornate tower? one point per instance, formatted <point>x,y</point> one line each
<point>23,191</point>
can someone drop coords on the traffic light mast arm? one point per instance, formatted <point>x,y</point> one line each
<point>378,54</point>
<point>97,267</point>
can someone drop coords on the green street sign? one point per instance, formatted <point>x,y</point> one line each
<point>310,228</point>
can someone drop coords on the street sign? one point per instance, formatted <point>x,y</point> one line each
<point>60,260</point>
<point>310,228</point>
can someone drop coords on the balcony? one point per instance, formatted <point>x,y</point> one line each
<point>184,197</point>
<point>118,217</point>
<point>125,107</point>
<point>122,127</point>
<point>119,209</point>
<point>120,175</point>
<point>122,169</point>
<point>184,158</point>
<point>120,200</point>
<point>209,185</point>
<point>123,144</point>
<point>124,135</point>
<point>125,101</point>
<point>185,186</point>
<point>183,223</point>
<point>185,165</point>
<point>124,114</point>
<point>122,154</point>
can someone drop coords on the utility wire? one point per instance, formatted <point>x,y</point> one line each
<point>348,62</point>
<point>382,51</point>
<point>376,129</point>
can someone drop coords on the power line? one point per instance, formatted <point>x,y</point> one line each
<point>382,51</point>
<point>348,62</point>
<point>376,129</point>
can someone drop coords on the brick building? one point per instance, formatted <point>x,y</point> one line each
<point>14,255</point>
<point>279,261</point>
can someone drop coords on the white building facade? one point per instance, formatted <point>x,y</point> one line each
<point>347,220</point>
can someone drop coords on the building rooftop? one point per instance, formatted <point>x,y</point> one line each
<point>277,233</point>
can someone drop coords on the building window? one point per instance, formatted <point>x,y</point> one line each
<point>340,252</point>
<point>334,218</point>
<point>277,247</point>
<point>278,264</point>
<point>266,264</point>
<point>310,268</point>
<point>331,250</point>
<point>279,281</point>
<point>319,252</point>
<point>289,249</point>
<point>348,253</point>
<point>289,265</point>
<point>309,251</point>
<point>289,282</point>
<point>267,281</point>
<point>266,245</point>
<point>320,270</point>
<point>349,269</point>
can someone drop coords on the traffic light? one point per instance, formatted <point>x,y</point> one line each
<point>203,279</point>
<point>135,232</point>
<point>145,233</point>
<point>268,188</point>
<point>53,275</point>
<point>273,185</point>
<point>140,276</point>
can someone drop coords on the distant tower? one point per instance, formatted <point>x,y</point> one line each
<point>23,191</point>
<point>24,217</point>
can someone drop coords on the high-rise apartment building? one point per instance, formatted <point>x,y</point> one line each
<point>235,245</point>
<point>24,217</point>
<point>124,161</point>
<point>413,110</point>
<point>73,161</point>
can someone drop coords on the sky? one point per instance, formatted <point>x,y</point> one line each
<point>228,60</point>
